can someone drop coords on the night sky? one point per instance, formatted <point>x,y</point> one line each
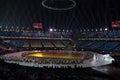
<point>87,14</point>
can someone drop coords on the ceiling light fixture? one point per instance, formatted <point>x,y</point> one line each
<point>55,8</point>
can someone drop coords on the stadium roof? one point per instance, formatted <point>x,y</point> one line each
<point>85,14</point>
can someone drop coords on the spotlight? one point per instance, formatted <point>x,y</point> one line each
<point>50,29</point>
<point>106,29</point>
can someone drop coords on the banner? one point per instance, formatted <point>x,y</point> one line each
<point>37,25</point>
<point>115,23</point>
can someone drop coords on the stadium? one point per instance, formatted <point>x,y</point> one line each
<point>59,40</point>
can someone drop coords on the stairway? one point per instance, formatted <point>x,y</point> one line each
<point>70,46</point>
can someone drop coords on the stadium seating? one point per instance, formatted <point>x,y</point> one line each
<point>10,33</point>
<point>26,45</point>
<point>99,45</point>
<point>46,40</point>
<point>109,46</point>
<point>96,45</point>
<point>117,48</point>
<point>35,44</point>
<point>58,44</point>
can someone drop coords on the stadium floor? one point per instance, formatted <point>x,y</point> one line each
<point>95,60</point>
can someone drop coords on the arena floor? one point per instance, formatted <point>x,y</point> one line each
<point>84,58</point>
<point>56,55</point>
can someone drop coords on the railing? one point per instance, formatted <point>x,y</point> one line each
<point>13,37</point>
<point>102,39</point>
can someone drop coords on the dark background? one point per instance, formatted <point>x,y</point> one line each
<point>88,14</point>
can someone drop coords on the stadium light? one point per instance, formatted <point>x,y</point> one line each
<point>100,29</point>
<point>55,30</point>
<point>96,30</point>
<point>84,30</point>
<point>59,30</point>
<point>67,31</point>
<point>91,29</point>
<point>106,29</point>
<point>87,29</point>
<point>50,29</point>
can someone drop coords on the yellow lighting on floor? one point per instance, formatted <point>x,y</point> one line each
<point>42,55</point>
<point>36,55</point>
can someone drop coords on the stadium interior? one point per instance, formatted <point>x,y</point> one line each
<point>75,27</point>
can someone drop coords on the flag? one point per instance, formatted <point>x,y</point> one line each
<point>115,23</point>
<point>38,25</point>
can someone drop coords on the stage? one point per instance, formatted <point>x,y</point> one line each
<point>58,58</point>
